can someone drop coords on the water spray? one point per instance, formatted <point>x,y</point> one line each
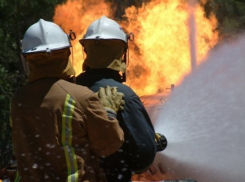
<point>203,120</point>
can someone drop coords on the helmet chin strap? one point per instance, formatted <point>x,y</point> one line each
<point>123,78</point>
<point>130,37</point>
<point>24,63</point>
<point>72,36</point>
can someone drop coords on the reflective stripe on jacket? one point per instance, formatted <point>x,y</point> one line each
<point>59,131</point>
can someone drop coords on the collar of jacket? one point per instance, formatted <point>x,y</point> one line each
<point>105,73</point>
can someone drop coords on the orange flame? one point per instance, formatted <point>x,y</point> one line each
<point>160,53</point>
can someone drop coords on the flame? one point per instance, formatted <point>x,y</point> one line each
<point>77,15</point>
<point>160,53</point>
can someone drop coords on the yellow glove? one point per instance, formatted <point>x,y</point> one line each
<point>111,99</point>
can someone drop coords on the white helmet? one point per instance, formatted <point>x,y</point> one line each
<point>105,28</point>
<point>44,36</point>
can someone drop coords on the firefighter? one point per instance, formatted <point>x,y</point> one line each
<point>60,129</point>
<point>105,45</point>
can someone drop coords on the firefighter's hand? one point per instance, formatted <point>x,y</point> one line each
<point>160,141</point>
<point>111,99</point>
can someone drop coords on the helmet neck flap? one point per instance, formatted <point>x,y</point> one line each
<point>105,44</point>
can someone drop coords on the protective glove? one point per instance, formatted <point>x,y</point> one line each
<point>160,141</point>
<point>111,99</point>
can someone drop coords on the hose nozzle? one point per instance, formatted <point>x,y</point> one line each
<point>161,141</point>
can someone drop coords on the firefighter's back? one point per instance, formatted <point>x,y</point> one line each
<point>46,131</point>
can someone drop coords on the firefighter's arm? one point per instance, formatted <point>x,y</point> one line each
<point>104,132</point>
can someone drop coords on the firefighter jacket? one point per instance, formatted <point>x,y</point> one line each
<point>59,130</point>
<point>138,150</point>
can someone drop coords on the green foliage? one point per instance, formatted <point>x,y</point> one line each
<point>9,83</point>
<point>230,15</point>
<point>5,137</point>
<point>16,17</point>
<point>5,129</point>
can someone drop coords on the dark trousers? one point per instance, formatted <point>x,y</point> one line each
<point>116,168</point>
<point>118,174</point>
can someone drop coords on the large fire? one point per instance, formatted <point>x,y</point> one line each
<point>160,54</point>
